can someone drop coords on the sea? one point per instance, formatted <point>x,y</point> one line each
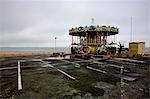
<point>44,49</point>
<point>35,49</point>
<point>147,50</point>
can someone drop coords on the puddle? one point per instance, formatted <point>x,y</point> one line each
<point>64,67</point>
<point>53,58</point>
<point>48,65</point>
<point>133,74</point>
<point>36,60</point>
<point>57,58</point>
<point>128,78</point>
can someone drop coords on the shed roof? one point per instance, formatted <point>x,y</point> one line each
<point>137,43</point>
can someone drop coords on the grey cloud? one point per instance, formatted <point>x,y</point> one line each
<point>34,22</point>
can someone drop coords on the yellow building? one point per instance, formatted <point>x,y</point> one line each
<point>136,49</point>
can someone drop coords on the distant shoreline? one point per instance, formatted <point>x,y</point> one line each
<point>31,53</point>
<point>15,54</point>
<point>34,49</point>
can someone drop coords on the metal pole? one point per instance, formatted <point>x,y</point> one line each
<point>55,44</point>
<point>131,30</point>
<point>72,41</point>
<point>86,39</point>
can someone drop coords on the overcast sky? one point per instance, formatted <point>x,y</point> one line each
<point>35,23</point>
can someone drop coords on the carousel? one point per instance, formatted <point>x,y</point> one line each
<point>92,40</point>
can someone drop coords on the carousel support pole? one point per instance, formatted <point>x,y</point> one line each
<point>72,41</point>
<point>80,39</point>
<point>100,37</point>
<point>89,39</point>
<point>97,38</point>
<point>86,39</point>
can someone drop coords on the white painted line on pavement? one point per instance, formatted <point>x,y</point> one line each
<point>19,77</point>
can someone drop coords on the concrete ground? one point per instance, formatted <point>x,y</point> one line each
<point>40,81</point>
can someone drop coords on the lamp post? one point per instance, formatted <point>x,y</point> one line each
<point>55,44</point>
<point>131,30</point>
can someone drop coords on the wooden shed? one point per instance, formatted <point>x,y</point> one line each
<point>136,49</point>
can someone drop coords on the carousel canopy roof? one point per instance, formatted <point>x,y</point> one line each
<point>104,30</point>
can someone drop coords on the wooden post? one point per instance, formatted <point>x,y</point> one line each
<point>122,83</point>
